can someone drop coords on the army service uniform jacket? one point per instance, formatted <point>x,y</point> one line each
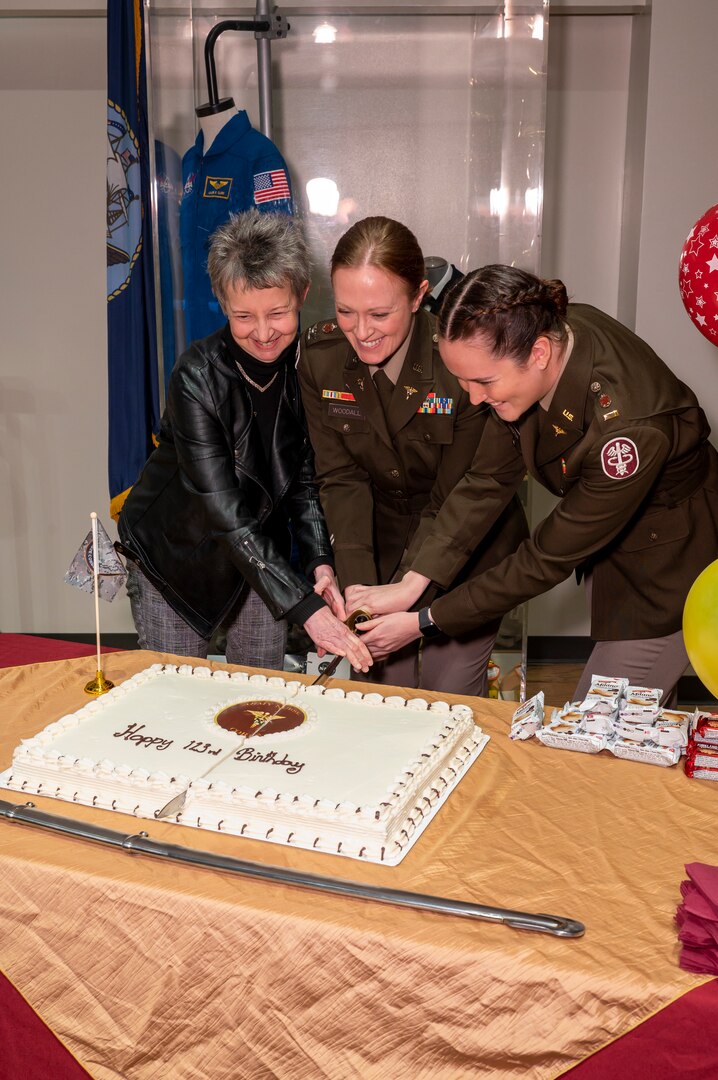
<point>624,444</point>
<point>377,472</point>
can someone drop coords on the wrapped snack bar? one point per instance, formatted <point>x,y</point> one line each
<point>648,753</point>
<point>702,749</point>
<point>604,695</point>
<point>643,695</point>
<point>704,727</point>
<point>598,723</point>
<point>528,718</point>
<point>566,731</point>
<point>672,728</point>
<point>617,716</point>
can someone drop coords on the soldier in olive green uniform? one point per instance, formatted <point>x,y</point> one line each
<point>596,417</point>
<point>381,455</point>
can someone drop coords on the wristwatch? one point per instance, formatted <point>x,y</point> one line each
<point>427,626</point>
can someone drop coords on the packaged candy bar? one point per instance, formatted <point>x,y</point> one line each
<point>700,772</point>
<point>598,723</point>
<point>570,713</point>
<point>528,718</point>
<point>704,727</point>
<point>677,716</point>
<point>639,714</point>
<point>565,720</point>
<point>703,756</point>
<point>637,733</point>
<point>643,695</point>
<point>671,733</point>
<point>563,734</point>
<point>604,695</point>
<point>606,705</point>
<point>672,727</point>
<point>647,753</point>
<point>606,686</point>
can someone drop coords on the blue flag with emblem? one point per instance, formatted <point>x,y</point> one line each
<point>132,340</point>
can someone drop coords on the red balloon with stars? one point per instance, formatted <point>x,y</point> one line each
<point>698,274</point>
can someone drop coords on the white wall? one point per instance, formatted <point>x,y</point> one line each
<point>680,184</point>
<point>586,117</point>
<point>586,114</point>
<point>53,381</point>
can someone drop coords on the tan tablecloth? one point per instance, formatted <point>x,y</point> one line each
<point>146,968</point>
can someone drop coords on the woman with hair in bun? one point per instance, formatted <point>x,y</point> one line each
<point>598,418</point>
<point>393,433</point>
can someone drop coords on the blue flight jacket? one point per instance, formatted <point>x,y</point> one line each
<point>241,169</point>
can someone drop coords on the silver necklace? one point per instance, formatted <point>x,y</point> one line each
<point>251,382</point>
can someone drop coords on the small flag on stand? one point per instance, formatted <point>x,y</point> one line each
<point>97,568</point>
<point>111,572</point>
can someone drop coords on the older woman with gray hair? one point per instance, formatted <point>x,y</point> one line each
<point>206,528</point>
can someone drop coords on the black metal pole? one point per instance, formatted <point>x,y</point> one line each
<point>257,26</point>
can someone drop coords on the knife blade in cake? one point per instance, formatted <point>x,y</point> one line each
<point>176,804</point>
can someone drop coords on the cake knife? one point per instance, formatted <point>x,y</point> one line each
<point>176,804</point>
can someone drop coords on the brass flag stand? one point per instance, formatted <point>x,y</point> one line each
<point>99,685</point>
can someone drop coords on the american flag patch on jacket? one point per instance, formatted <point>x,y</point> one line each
<point>433,405</point>
<point>270,186</point>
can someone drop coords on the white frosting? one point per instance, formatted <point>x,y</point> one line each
<point>358,776</point>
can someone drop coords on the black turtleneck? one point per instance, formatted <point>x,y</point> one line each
<point>265,404</point>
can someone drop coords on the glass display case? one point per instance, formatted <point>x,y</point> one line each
<point>435,118</point>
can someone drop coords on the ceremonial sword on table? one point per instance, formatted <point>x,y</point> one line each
<point>176,804</point>
<point>141,843</point>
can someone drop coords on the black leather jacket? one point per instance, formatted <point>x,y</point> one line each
<point>207,514</point>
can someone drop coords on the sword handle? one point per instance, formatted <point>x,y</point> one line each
<point>351,621</point>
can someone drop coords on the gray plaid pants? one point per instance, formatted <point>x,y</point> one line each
<point>254,637</point>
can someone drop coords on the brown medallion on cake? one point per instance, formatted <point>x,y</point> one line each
<point>261,717</point>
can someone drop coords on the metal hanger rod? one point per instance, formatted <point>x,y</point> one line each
<point>219,28</point>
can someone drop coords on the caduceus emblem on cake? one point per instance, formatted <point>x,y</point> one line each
<point>255,718</point>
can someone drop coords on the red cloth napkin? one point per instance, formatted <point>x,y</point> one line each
<point>697,919</point>
<point>696,903</point>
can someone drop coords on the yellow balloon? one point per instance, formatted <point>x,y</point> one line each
<point>700,627</point>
